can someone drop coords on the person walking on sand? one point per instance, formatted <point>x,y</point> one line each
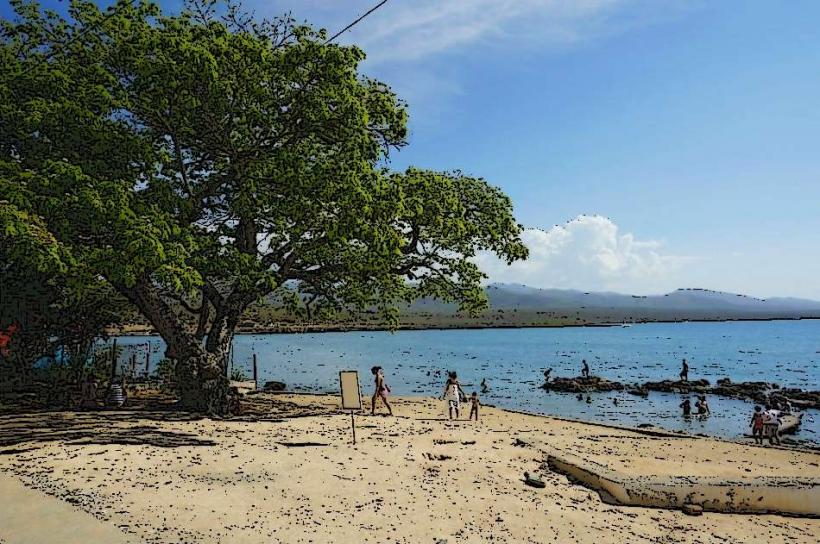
<point>585,369</point>
<point>684,371</point>
<point>381,391</point>
<point>452,394</point>
<point>474,404</point>
<point>771,425</point>
<point>757,425</point>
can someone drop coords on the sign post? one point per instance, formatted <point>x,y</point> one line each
<point>351,395</point>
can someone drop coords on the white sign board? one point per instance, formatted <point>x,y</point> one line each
<point>351,394</point>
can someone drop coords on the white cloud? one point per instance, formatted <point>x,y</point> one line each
<point>408,30</point>
<point>411,31</point>
<point>590,254</point>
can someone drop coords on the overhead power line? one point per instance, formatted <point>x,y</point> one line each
<point>357,21</point>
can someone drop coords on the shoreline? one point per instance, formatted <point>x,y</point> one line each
<point>147,330</point>
<point>415,477</point>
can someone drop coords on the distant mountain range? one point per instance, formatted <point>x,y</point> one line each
<point>521,297</point>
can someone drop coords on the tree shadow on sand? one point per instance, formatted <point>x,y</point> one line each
<point>127,428</point>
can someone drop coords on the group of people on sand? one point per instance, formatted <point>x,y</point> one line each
<point>766,421</point>
<point>453,394</point>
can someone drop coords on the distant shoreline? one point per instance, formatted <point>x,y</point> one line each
<point>146,330</point>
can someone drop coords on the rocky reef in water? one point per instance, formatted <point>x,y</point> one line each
<point>677,386</point>
<point>761,392</point>
<point>582,385</point>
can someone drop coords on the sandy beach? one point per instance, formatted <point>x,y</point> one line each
<point>287,472</point>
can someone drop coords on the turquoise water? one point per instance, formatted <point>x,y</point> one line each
<point>512,361</point>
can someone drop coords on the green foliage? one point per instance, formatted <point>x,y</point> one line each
<point>213,161</point>
<point>56,315</point>
<point>238,375</point>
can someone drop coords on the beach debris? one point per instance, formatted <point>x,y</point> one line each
<point>437,457</point>
<point>692,509</point>
<point>534,481</point>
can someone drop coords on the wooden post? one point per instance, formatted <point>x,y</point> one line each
<point>148,360</point>
<point>113,361</point>
<point>255,383</point>
<point>353,426</point>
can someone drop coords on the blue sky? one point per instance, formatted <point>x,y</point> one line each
<point>674,142</point>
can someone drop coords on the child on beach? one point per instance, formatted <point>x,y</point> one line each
<point>474,404</point>
<point>757,425</point>
<point>381,391</point>
<point>452,394</point>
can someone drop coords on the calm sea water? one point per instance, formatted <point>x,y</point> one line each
<point>512,361</point>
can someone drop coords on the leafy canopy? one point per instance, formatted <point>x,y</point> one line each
<point>211,159</point>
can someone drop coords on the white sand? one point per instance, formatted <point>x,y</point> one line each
<point>246,482</point>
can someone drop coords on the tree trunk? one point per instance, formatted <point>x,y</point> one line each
<point>200,370</point>
<point>203,386</point>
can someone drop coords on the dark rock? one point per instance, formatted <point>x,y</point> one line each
<point>798,397</point>
<point>582,385</point>
<point>534,481</point>
<point>274,386</point>
<point>677,386</point>
<point>638,392</point>
<point>692,509</point>
<point>746,390</point>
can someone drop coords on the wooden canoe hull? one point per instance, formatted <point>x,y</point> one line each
<point>789,423</point>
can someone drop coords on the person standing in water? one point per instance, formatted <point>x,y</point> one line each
<point>686,405</point>
<point>452,394</point>
<point>684,372</point>
<point>702,406</point>
<point>585,369</point>
<point>381,391</point>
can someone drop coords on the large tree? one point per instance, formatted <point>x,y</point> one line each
<point>205,160</point>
